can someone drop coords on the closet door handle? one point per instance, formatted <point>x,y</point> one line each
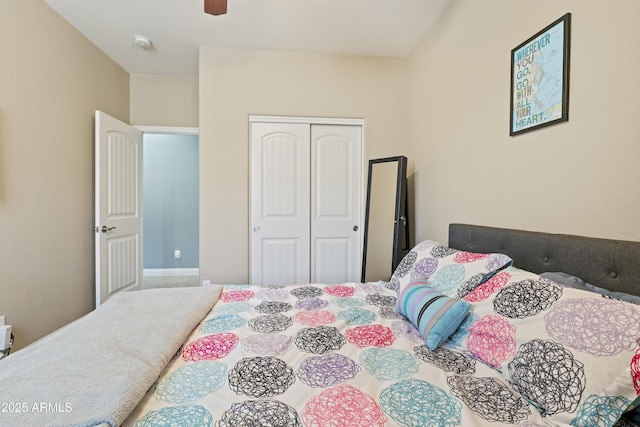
<point>106,229</point>
<point>256,228</point>
<point>355,228</point>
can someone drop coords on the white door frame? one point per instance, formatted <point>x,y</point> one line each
<point>316,121</point>
<point>170,130</point>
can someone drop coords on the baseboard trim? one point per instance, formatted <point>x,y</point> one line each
<point>154,272</point>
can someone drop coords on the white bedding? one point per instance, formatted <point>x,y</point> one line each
<point>58,380</point>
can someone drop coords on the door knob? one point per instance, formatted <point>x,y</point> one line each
<point>256,228</point>
<point>106,229</point>
<point>355,228</point>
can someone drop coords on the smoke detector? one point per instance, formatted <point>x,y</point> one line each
<point>142,41</point>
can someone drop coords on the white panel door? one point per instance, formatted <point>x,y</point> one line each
<point>118,207</point>
<point>280,203</point>
<point>336,184</point>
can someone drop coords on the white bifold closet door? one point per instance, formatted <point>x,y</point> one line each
<point>305,203</point>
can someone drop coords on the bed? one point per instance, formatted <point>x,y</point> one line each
<point>496,327</point>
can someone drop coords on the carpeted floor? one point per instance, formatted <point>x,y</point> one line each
<point>170,281</point>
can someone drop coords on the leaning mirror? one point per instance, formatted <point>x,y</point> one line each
<point>386,228</point>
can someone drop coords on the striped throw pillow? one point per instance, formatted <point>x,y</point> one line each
<point>434,314</point>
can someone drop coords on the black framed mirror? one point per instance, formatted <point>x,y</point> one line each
<point>386,226</point>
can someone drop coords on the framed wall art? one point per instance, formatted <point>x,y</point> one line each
<point>540,78</point>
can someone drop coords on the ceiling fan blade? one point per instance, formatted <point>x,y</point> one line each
<point>215,7</point>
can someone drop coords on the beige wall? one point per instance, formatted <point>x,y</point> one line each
<point>579,177</point>
<point>52,80</point>
<point>237,83</point>
<point>164,100</point>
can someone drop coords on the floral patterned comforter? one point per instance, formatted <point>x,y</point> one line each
<point>340,355</point>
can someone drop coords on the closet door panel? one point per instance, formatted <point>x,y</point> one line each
<point>280,212</point>
<point>335,203</point>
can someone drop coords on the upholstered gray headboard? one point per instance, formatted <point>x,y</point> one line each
<point>610,264</point>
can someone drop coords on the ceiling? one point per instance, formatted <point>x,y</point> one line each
<point>178,27</point>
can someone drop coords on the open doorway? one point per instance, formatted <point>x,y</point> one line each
<point>170,209</point>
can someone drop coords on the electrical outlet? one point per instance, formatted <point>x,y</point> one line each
<point>177,254</point>
<point>5,337</point>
